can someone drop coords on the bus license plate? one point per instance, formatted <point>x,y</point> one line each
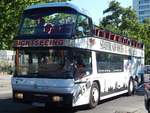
<point>37,104</point>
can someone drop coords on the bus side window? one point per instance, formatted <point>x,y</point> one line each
<point>83,64</point>
<point>83,26</point>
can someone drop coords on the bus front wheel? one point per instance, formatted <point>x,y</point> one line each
<point>94,95</point>
<point>131,87</point>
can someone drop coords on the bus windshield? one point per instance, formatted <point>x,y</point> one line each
<point>53,63</point>
<point>47,22</point>
<point>48,63</point>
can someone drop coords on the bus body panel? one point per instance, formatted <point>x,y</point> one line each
<point>43,85</point>
<point>113,82</point>
<point>48,49</point>
<point>80,90</point>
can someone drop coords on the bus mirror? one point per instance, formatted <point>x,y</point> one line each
<point>87,73</point>
<point>80,29</point>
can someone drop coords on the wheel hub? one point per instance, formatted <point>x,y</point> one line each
<point>95,94</point>
<point>131,86</point>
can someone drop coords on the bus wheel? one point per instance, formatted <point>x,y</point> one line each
<point>148,107</point>
<point>137,80</point>
<point>131,87</point>
<point>94,95</point>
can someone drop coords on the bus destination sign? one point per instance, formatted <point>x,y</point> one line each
<point>39,43</point>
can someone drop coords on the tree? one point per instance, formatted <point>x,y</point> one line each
<point>124,21</point>
<point>115,12</point>
<point>147,21</point>
<point>10,13</point>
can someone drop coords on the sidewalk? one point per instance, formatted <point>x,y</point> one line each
<point>5,84</point>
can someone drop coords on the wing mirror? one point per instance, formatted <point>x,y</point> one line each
<point>80,29</point>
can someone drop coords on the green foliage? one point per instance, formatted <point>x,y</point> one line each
<point>147,21</point>
<point>6,67</point>
<point>115,12</point>
<point>124,21</point>
<point>10,13</point>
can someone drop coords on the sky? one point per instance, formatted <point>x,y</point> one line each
<point>96,7</point>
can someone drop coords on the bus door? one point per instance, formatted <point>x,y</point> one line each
<point>82,74</point>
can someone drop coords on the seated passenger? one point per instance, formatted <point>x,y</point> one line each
<point>48,28</point>
<point>80,68</point>
<point>40,26</point>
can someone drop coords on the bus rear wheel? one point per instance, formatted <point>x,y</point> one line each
<point>94,95</point>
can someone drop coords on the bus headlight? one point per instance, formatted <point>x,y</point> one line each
<point>19,95</point>
<point>57,98</point>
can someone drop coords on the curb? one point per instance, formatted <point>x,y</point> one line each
<point>8,77</point>
<point>5,93</point>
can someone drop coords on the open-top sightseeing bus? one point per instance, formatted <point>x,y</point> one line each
<point>62,60</point>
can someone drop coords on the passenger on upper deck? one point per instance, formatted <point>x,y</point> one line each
<point>40,26</point>
<point>48,28</point>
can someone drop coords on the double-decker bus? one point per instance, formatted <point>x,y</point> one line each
<point>63,60</point>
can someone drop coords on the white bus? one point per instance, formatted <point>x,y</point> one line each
<point>62,60</point>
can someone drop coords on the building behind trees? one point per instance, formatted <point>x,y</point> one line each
<point>142,8</point>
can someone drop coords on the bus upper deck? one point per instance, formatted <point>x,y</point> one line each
<point>63,24</point>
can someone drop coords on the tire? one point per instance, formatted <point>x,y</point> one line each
<point>148,107</point>
<point>94,96</point>
<point>136,82</point>
<point>131,88</point>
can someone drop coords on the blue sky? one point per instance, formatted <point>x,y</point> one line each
<point>96,7</point>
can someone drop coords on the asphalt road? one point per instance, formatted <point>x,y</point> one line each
<point>120,104</point>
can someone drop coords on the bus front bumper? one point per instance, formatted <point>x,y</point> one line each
<point>43,99</point>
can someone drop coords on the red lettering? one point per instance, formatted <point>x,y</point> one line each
<point>41,42</point>
<point>50,42</point>
<point>38,42</point>
<point>61,42</point>
<point>55,42</point>
<point>16,43</point>
<point>35,42</point>
<point>28,43</point>
<point>23,42</point>
<point>46,42</point>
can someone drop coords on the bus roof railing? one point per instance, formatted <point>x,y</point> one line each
<point>108,35</point>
